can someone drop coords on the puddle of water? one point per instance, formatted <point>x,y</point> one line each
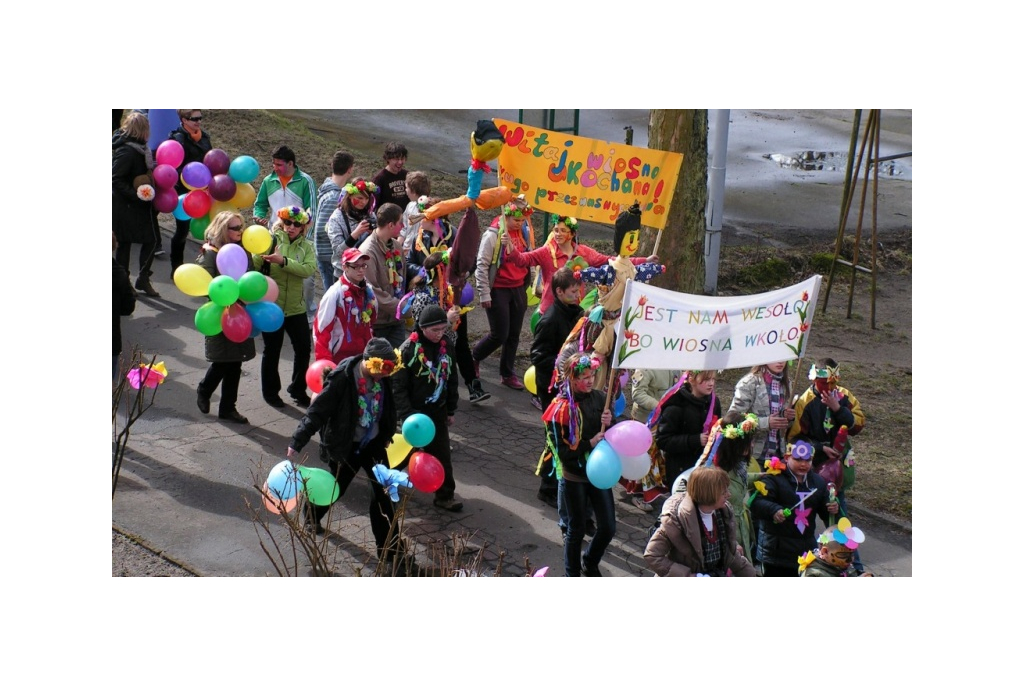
<point>811,160</point>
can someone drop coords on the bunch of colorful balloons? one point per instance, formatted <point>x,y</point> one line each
<point>622,454</point>
<point>242,303</point>
<point>425,472</point>
<point>216,184</point>
<point>287,481</point>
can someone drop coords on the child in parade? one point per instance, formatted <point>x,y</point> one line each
<point>344,319</point>
<point>684,418</point>
<point>834,556</point>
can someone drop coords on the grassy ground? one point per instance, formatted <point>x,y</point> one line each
<point>876,363</point>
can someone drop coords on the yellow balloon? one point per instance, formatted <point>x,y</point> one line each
<point>531,299</point>
<point>530,380</point>
<point>192,279</point>
<point>398,450</point>
<point>256,239</point>
<point>220,206</point>
<point>245,196</point>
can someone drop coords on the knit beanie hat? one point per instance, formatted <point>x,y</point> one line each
<point>432,315</point>
<point>380,348</point>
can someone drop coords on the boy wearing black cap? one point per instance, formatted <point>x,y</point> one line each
<point>356,418</point>
<point>428,383</point>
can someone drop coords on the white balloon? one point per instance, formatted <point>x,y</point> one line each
<point>635,468</point>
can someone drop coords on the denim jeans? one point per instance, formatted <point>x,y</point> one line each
<point>576,495</point>
<point>326,272</point>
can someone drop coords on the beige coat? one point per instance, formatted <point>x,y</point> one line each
<point>675,547</point>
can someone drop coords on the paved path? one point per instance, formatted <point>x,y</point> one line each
<point>184,484</point>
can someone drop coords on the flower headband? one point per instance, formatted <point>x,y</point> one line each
<point>296,214</point>
<point>387,367</point>
<point>829,372</point>
<point>844,533</point>
<point>514,211</point>
<point>585,362</point>
<point>746,428</point>
<point>800,450</point>
<point>365,187</point>
<point>569,222</point>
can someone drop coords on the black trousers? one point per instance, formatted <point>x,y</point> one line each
<point>297,328</point>
<point>181,232</point>
<point>382,509</point>
<point>227,375</point>
<point>146,252</point>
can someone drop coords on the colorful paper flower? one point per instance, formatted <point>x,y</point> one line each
<point>146,192</point>
<point>150,376</point>
<point>774,466</point>
<point>804,560</point>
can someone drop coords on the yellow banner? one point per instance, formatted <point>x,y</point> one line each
<point>586,178</point>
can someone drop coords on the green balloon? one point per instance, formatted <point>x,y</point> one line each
<point>197,227</point>
<point>224,290</point>
<point>320,486</point>
<point>252,286</point>
<point>208,319</point>
<point>534,320</point>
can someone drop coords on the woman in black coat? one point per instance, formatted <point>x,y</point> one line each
<point>196,143</point>
<point>134,219</point>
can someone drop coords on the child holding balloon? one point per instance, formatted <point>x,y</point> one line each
<point>225,355</point>
<point>575,423</point>
<point>427,382</point>
<point>290,260</point>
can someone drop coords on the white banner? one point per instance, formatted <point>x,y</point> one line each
<point>663,329</point>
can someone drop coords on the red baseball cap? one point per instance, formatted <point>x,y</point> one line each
<point>352,255</point>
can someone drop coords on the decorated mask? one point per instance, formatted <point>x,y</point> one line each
<point>627,231</point>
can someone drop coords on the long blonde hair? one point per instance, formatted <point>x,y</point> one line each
<point>217,232</point>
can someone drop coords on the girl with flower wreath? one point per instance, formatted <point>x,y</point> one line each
<point>731,453</point>
<point>428,383</point>
<point>352,221</point>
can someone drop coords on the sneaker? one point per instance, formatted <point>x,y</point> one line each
<point>535,401</point>
<point>640,504</point>
<point>477,392</point>
<point>159,253</point>
<point>512,382</point>
<point>450,504</point>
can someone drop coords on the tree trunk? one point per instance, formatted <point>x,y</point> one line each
<point>681,249</point>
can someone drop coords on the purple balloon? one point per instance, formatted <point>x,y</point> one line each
<point>166,199</point>
<point>222,187</point>
<point>195,175</point>
<point>165,176</point>
<point>232,261</point>
<point>467,294</point>
<point>217,161</point>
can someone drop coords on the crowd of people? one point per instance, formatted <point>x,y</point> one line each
<point>733,494</point>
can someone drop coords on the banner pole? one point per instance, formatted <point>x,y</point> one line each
<point>657,241</point>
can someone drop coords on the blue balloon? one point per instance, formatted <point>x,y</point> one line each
<point>620,405</point>
<point>179,211</point>
<point>418,430</point>
<point>244,169</point>
<point>266,316</point>
<point>161,123</point>
<point>284,481</point>
<point>604,468</point>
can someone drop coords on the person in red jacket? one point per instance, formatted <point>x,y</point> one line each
<point>344,319</point>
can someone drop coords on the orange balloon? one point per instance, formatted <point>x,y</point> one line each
<point>275,505</point>
<point>245,196</point>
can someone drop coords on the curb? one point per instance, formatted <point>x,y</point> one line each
<point>878,517</point>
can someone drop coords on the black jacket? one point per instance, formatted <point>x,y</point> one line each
<point>681,424</point>
<point>552,330</point>
<point>134,220</point>
<point>123,302</point>
<point>194,151</point>
<point>781,543</point>
<point>334,413</point>
<point>412,389</point>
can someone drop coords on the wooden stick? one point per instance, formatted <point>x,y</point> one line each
<point>657,241</point>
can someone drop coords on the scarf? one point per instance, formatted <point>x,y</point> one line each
<point>143,150</point>
<point>773,441</point>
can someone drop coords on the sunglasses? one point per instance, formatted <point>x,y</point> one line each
<point>195,118</point>
<point>289,222</point>
<point>234,228</point>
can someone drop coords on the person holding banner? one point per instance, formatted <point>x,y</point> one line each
<point>684,418</point>
<point>575,423</point>
<point>560,247</point>
<point>765,391</point>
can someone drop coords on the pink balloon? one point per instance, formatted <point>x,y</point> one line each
<point>165,176</point>
<point>629,438</point>
<point>170,152</point>
<point>232,261</point>
<point>217,161</point>
<point>196,175</point>
<point>222,187</point>
<point>272,290</point>
<point>166,200</point>
<point>236,323</point>
<point>197,203</point>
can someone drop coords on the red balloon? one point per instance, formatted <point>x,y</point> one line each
<point>316,373</point>
<point>217,161</point>
<point>222,188</point>
<point>236,323</point>
<point>166,200</point>
<point>425,472</point>
<point>197,203</point>
<point>165,176</point>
